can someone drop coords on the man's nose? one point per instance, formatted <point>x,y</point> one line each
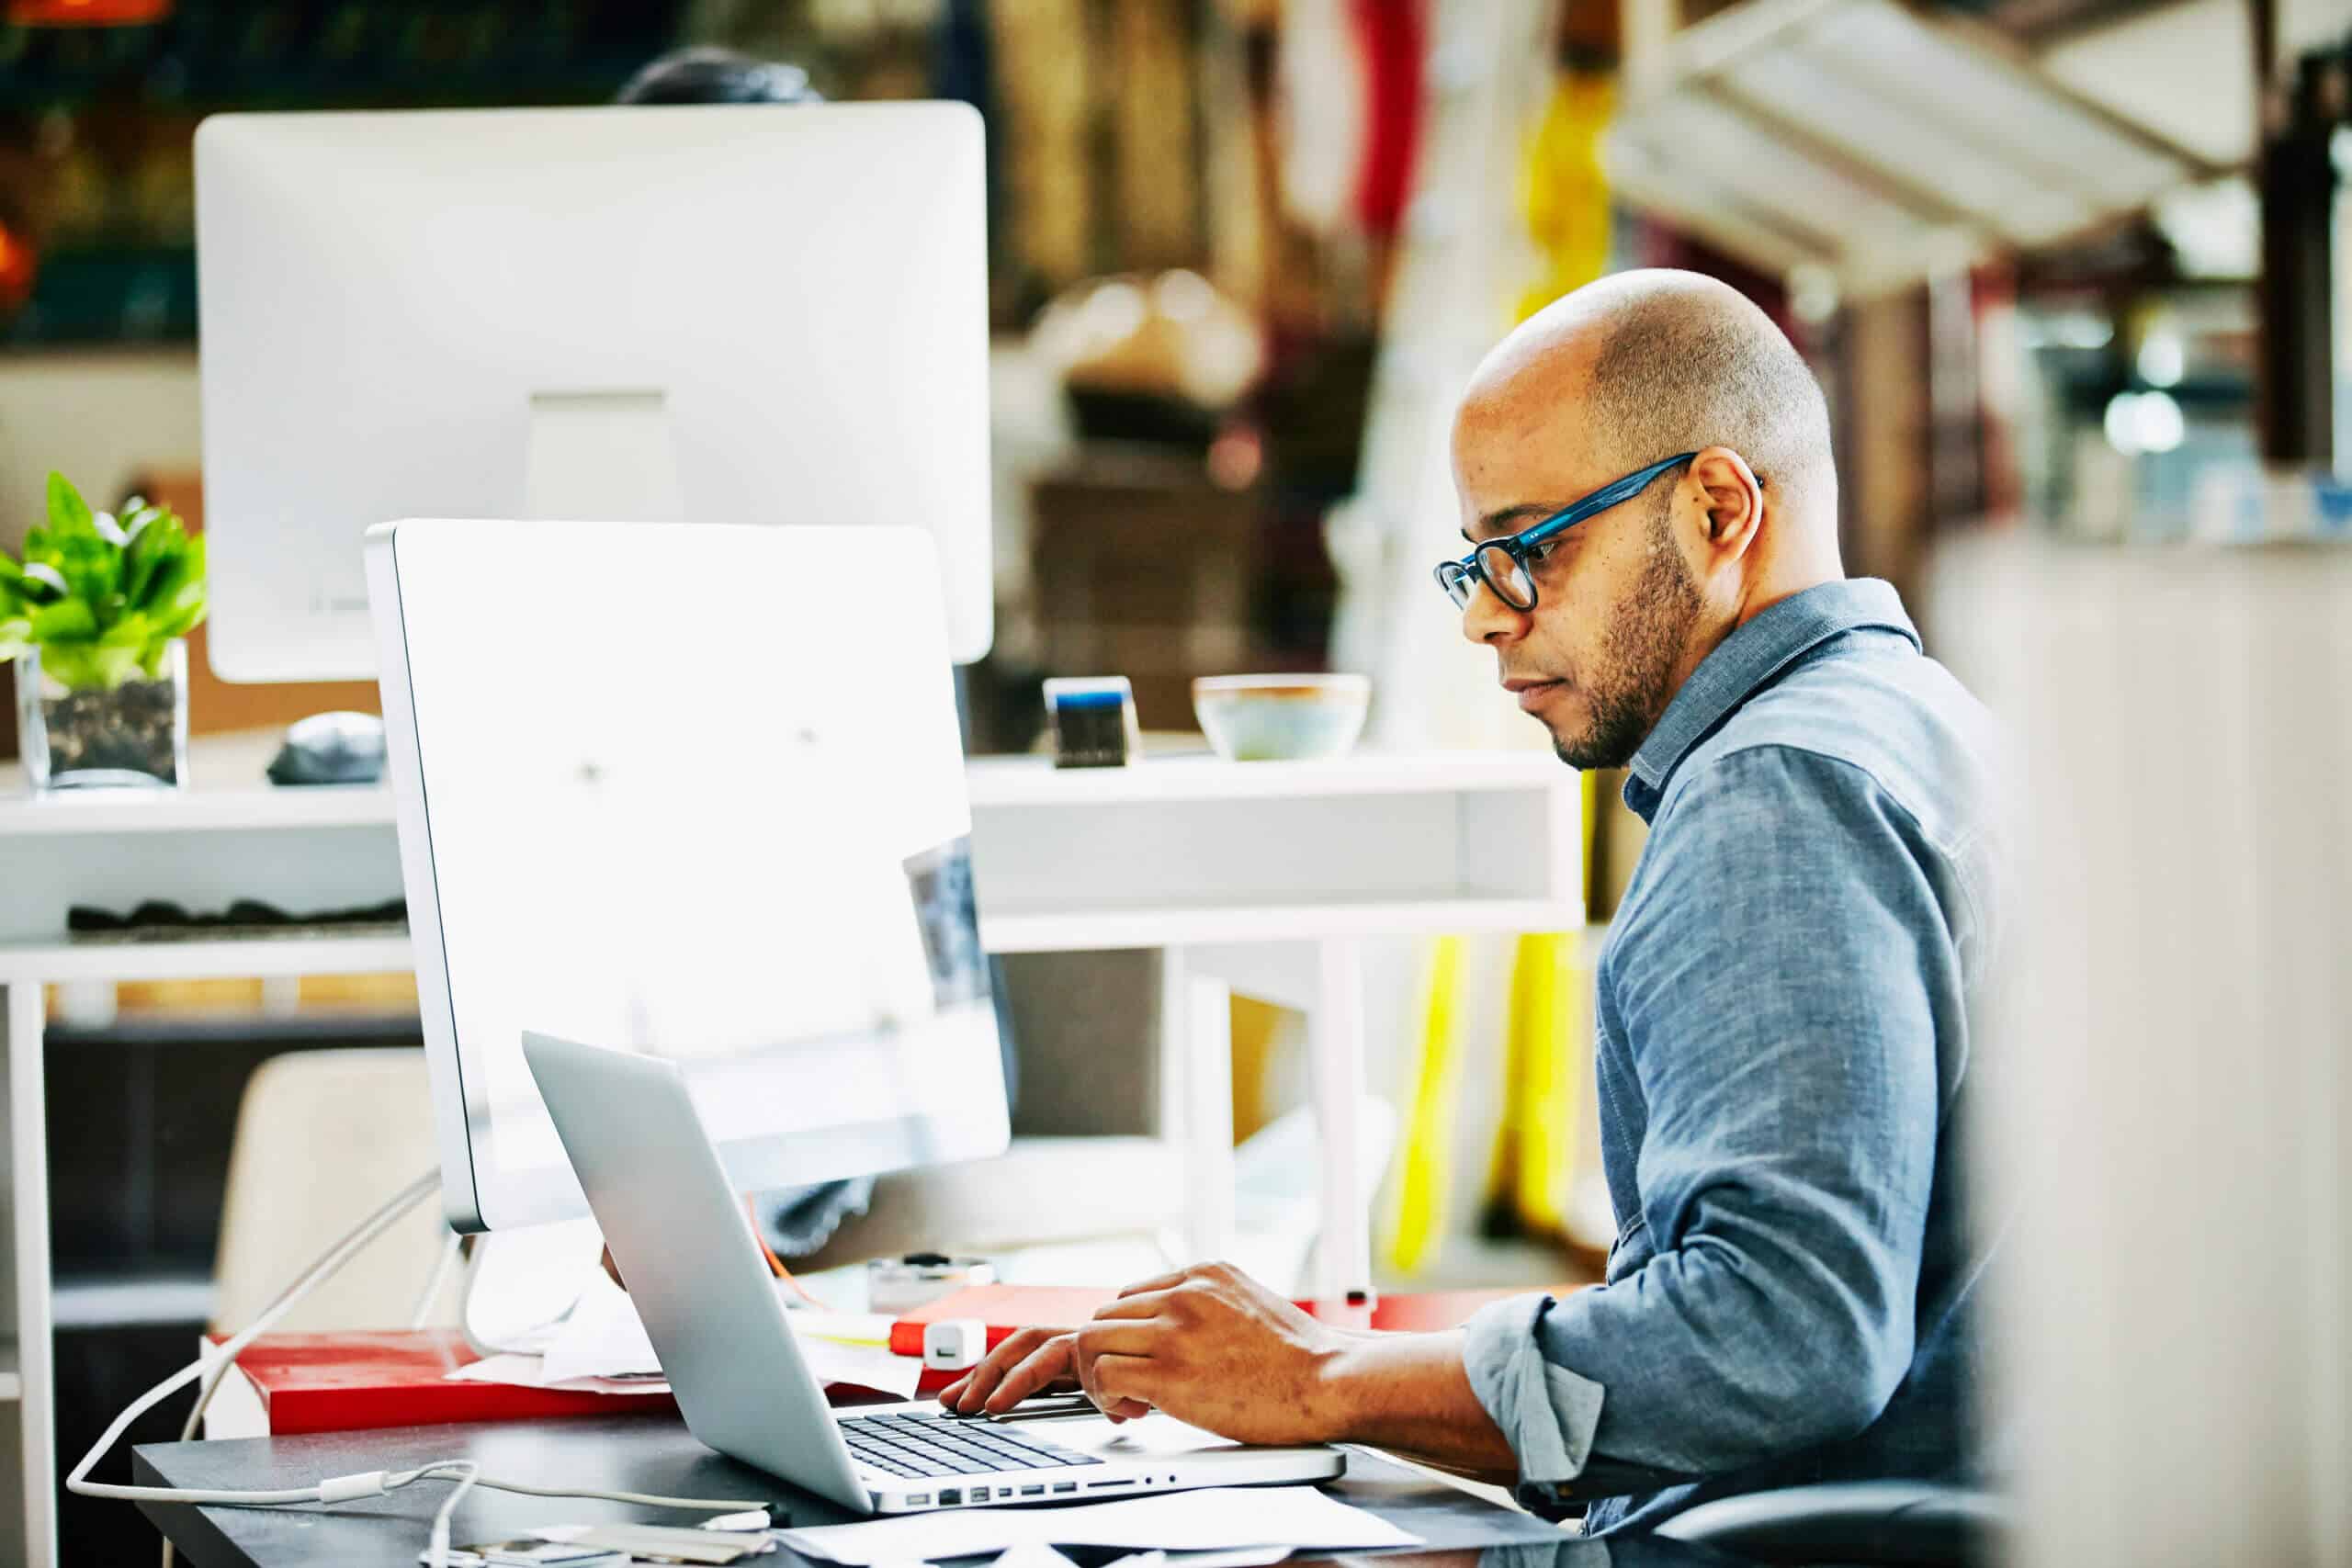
<point>1486,619</point>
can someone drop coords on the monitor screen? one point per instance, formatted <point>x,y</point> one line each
<point>702,314</point>
<point>695,792</point>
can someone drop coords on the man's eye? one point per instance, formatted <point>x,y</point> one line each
<point>1536,554</point>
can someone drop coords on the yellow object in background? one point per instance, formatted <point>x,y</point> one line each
<point>1535,1156</point>
<point>1564,190</point>
<point>367,994</point>
<point>1258,1027</point>
<point>1427,1176</point>
<point>175,996</point>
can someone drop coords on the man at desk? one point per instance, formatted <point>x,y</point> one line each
<point>1783,1038</point>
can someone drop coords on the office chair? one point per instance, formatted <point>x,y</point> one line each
<point>1910,1524</point>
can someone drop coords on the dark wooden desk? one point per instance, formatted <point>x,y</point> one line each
<point>629,1454</point>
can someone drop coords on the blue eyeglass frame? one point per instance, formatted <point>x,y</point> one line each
<point>1517,546</point>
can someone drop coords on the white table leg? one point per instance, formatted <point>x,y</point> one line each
<point>1196,1035</point>
<point>29,1197</point>
<point>1343,1256</point>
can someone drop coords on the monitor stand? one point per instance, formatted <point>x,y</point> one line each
<point>518,1282</point>
<point>606,455</point>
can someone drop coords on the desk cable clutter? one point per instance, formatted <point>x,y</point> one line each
<point>333,1489</point>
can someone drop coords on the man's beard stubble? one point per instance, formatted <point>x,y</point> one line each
<point>1632,683</point>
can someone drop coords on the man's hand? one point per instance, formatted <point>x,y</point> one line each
<point>1209,1346</point>
<point>1213,1348</point>
<point>1028,1363</point>
<point>1216,1350</point>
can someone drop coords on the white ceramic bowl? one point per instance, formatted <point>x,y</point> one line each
<point>1264,719</point>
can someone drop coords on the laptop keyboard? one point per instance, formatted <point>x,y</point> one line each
<point>916,1445</point>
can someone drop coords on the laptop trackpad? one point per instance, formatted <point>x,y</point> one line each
<point>1154,1437</point>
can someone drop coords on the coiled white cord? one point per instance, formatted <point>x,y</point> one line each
<point>338,1488</point>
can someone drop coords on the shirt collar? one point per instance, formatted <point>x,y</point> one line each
<point>1749,659</point>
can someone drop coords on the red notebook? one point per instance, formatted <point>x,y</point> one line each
<point>338,1382</point>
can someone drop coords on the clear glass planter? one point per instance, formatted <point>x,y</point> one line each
<point>96,737</point>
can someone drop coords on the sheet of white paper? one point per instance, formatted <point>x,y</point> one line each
<point>861,1366</point>
<point>842,1327</point>
<point>1237,1557</point>
<point>605,1338</point>
<point>1217,1519</point>
<point>600,1337</point>
<point>530,1371</point>
<point>1029,1554</point>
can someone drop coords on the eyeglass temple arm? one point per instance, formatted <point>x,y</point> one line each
<point>1601,500</point>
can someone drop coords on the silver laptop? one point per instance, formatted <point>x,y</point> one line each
<point>682,1238</point>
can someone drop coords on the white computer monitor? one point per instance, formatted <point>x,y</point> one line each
<point>721,314</point>
<point>675,789</point>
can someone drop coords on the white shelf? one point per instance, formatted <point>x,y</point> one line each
<point>227,789</point>
<point>1179,927</point>
<point>993,782</point>
<point>196,809</point>
<point>235,958</point>
<point>1034,780</point>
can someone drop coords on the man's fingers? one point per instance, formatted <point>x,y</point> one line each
<point>1118,1406</point>
<point>1136,1303</point>
<point>1118,1336</point>
<point>982,1380</point>
<point>1114,1336</point>
<point>1039,1373</point>
<point>964,1395</point>
<point>1157,1282</point>
<point>1048,1364</point>
<point>1118,1380</point>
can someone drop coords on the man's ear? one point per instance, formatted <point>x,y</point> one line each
<point>1733,499</point>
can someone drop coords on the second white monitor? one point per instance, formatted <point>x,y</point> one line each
<point>677,790</point>
<point>725,314</point>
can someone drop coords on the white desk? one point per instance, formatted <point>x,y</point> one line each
<point>1261,878</point>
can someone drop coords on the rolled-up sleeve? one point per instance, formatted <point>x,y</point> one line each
<point>1775,976</point>
<point>1546,1412</point>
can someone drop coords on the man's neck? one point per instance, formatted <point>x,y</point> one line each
<point>1782,586</point>
<point>1761,596</point>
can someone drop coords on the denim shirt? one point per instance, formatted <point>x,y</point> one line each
<point>1783,1061</point>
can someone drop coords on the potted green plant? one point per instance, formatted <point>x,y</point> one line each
<point>96,616</point>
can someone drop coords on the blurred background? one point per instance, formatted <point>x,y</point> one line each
<point>2073,270</point>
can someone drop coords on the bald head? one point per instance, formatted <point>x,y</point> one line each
<point>1643,365</point>
<point>1604,621</point>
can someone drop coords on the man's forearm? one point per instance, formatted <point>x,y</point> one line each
<point>1411,1394</point>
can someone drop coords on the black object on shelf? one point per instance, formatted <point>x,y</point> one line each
<point>160,920</point>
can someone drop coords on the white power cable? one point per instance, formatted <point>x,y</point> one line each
<point>340,1488</point>
<point>343,1251</point>
<point>436,1545</point>
<point>441,1266</point>
<point>226,1362</point>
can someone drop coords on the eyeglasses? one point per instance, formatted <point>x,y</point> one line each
<point>1503,565</point>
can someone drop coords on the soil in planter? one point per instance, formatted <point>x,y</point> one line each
<point>128,729</point>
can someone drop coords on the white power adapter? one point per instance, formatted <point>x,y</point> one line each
<point>955,1344</point>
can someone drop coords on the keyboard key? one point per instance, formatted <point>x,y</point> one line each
<point>913,1464</point>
